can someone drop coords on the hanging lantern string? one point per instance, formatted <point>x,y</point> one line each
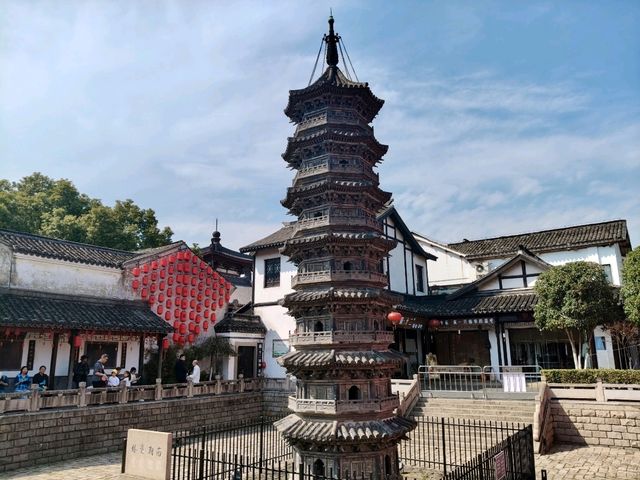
<point>322,42</point>
<point>346,67</point>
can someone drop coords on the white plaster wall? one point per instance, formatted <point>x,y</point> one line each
<point>287,271</point>
<point>56,276</point>
<point>242,294</point>
<point>278,324</point>
<point>449,268</point>
<point>493,341</point>
<point>605,357</point>
<point>603,255</point>
<point>6,259</point>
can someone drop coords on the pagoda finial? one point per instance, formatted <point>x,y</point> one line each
<point>332,44</point>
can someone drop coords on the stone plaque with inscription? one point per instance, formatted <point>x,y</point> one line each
<point>148,454</point>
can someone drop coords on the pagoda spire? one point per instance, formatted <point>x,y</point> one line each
<point>332,45</point>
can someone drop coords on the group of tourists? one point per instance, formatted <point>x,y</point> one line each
<point>100,379</point>
<point>182,370</point>
<point>23,380</point>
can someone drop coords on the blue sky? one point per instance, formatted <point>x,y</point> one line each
<point>501,117</point>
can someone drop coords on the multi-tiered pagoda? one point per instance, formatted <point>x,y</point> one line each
<point>344,422</point>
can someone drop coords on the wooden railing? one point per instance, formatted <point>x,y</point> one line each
<point>35,400</point>
<point>308,405</point>
<point>336,276</point>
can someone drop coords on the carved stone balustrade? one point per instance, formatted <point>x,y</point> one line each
<point>340,336</point>
<point>336,407</point>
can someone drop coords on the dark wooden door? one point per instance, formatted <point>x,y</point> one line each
<point>247,361</point>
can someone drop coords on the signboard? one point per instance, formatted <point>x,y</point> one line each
<point>280,347</point>
<point>501,466</point>
<point>148,454</point>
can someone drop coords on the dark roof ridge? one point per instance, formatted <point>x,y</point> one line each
<point>535,231</point>
<point>72,297</point>
<point>60,240</point>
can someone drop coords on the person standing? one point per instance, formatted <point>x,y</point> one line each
<point>195,374</point>
<point>134,375</point>
<point>4,383</point>
<point>81,371</point>
<point>181,369</point>
<point>126,378</point>
<point>41,378</point>
<point>23,380</point>
<point>99,377</point>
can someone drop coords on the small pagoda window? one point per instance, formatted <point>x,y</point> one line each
<point>354,393</point>
<point>375,325</point>
<point>387,465</point>
<point>271,272</point>
<point>318,327</point>
<point>318,468</point>
<point>347,266</point>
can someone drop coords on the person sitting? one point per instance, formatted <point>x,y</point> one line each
<point>41,378</point>
<point>23,380</point>
<point>4,383</point>
<point>134,375</point>
<point>113,381</point>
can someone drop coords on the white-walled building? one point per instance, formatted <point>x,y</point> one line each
<point>405,267</point>
<point>484,311</point>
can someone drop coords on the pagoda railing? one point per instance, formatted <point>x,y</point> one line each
<point>336,276</point>
<point>325,165</point>
<point>307,405</point>
<point>340,336</point>
<point>334,219</point>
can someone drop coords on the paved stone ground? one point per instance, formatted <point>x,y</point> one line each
<point>564,462</point>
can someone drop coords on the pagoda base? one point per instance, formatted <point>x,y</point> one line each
<point>378,465</point>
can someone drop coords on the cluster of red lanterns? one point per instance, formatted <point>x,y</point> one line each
<point>184,290</point>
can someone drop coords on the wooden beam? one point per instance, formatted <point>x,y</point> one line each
<point>54,357</point>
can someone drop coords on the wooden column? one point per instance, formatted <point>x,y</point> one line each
<point>73,355</point>
<point>159,340</point>
<point>141,359</point>
<point>54,358</point>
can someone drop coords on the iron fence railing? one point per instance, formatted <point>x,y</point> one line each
<point>480,381</point>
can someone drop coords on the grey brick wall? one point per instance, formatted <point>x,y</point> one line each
<point>49,436</point>
<point>276,403</point>
<point>591,423</point>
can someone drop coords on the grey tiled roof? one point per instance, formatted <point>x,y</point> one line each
<point>57,312</point>
<point>241,323</point>
<point>276,239</point>
<point>604,233</point>
<point>477,304</point>
<point>63,249</point>
<point>302,358</point>
<point>295,427</point>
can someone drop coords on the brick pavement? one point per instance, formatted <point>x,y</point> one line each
<point>564,462</point>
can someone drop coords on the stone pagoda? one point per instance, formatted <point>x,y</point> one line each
<point>344,422</point>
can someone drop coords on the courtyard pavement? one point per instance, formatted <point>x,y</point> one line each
<point>564,462</point>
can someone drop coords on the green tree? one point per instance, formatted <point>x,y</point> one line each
<point>575,297</point>
<point>214,348</point>
<point>630,290</point>
<point>41,205</point>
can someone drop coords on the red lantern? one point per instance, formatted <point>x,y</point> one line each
<point>434,323</point>
<point>153,288</point>
<point>227,297</point>
<point>170,281</point>
<point>144,293</point>
<point>220,302</point>
<point>135,284</point>
<point>205,325</point>
<point>154,265</point>
<point>136,271</point>
<point>201,286</point>
<point>159,309</point>
<point>183,328</point>
<point>196,330</point>
<point>191,338</point>
<point>176,337</point>
<point>152,299</point>
<point>215,275</point>
<point>207,302</point>
<point>213,317</point>
<point>263,365</point>
<point>194,281</point>
<point>192,315</point>
<point>192,327</point>
<point>168,303</point>
<point>187,255</point>
<point>394,318</point>
<point>180,256</point>
<point>195,260</point>
<point>77,341</point>
<point>199,297</point>
<point>192,292</point>
<point>199,307</point>
<point>163,274</point>
<point>208,280</point>
<point>183,316</point>
<point>167,316</point>
<point>145,268</point>
<point>145,280</point>
<point>165,343</point>
<point>192,304</point>
<point>180,267</point>
<point>161,297</point>
<point>154,276</point>
<point>163,262</point>
<point>171,270</point>
<point>185,303</point>
<point>176,324</point>
<point>176,313</point>
<point>201,276</point>
<point>162,285</point>
<point>198,318</point>
<point>206,314</point>
<point>172,259</point>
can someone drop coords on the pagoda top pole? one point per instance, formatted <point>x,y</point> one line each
<point>332,45</point>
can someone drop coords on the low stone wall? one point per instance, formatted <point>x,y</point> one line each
<point>48,436</point>
<point>593,423</point>
<point>276,403</point>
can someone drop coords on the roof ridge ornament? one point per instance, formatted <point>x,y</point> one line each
<point>332,45</point>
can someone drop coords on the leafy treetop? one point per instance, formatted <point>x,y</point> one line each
<point>631,285</point>
<point>41,205</point>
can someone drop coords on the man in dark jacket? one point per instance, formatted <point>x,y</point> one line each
<point>181,369</point>
<point>41,378</point>
<point>81,371</point>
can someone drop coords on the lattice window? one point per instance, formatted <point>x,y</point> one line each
<point>272,272</point>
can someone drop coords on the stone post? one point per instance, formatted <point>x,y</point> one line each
<point>34,401</point>
<point>158,389</point>
<point>189,387</point>
<point>241,381</point>
<point>123,395</point>
<point>218,385</point>
<point>82,394</point>
<point>600,398</point>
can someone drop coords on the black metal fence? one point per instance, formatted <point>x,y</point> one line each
<point>451,449</point>
<point>511,459</point>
